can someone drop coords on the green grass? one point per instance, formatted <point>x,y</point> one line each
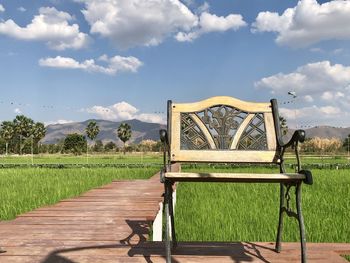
<point>249,212</point>
<point>23,190</point>
<point>118,158</point>
<point>347,257</point>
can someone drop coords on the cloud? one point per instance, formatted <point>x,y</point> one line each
<point>2,8</point>
<point>212,23</point>
<point>57,122</point>
<point>307,23</point>
<point>17,111</point>
<point>21,9</point>
<point>50,26</point>
<point>309,79</point>
<point>115,64</point>
<point>323,85</point>
<point>123,111</point>
<point>130,23</point>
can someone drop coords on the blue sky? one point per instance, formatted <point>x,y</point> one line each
<point>71,60</point>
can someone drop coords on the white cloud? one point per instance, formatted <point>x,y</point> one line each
<point>115,64</point>
<point>130,23</point>
<point>51,26</point>
<point>307,23</point>
<point>310,79</point>
<point>123,111</point>
<point>17,111</point>
<point>212,23</point>
<point>325,86</point>
<point>2,8</point>
<point>21,9</point>
<point>58,122</point>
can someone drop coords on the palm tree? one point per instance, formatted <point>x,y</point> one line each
<point>283,125</point>
<point>39,132</point>
<point>124,133</point>
<point>23,127</point>
<point>7,132</point>
<point>92,130</point>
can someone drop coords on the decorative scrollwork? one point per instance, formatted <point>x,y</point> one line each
<point>254,136</point>
<point>192,138</point>
<point>221,123</point>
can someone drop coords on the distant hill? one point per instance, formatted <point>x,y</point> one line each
<point>323,132</point>
<point>327,132</point>
<point>140,131</point>
<point>144,130</point>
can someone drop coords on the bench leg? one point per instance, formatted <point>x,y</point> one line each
<point>301,223</point>
<point>169,221</point>
<point>172,220</point>
<point>280,220</point>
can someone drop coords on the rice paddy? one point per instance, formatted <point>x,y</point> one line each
<point>249,212</point>
<point>23,190</point>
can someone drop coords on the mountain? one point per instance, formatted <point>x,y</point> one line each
<point>140,131</point>
<point>144,130</point>
<point>327,132</point>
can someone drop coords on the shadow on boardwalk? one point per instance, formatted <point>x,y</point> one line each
<point>237,252</point>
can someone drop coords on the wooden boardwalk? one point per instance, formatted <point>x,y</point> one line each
<point>111,224</point>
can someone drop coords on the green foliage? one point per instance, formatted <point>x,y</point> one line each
<point>23,190</point>
<point>110,146</point>
<point>124,133</point>
<point>74,143</point>
<point>283,125</point>
<point>233,211</point>
<point>92,130</point>
<point>19,132</point>
<point>346,143</point>
<point>98,146</point>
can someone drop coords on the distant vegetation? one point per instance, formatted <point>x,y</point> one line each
<point>231,212</point>
<point>25,189</point>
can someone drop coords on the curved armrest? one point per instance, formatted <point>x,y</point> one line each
<point>298,136</point>
<point>166,153</point>
<point>164,137</point>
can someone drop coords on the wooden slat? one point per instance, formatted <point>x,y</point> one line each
<point>234,177</point>
<point>251,107</point>
<point>228,156</point>
<point>270,131</point>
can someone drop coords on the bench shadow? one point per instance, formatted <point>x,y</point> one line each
<point>136,244</point>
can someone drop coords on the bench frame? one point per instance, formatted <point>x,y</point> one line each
<point>287,181</point>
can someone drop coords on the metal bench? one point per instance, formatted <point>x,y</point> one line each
<point>228,130</point>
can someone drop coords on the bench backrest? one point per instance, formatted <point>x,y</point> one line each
<point>222,129</point>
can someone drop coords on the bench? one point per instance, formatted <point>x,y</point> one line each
<point>228,130</point>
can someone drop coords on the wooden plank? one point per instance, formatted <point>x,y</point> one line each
<point>270,131</point>
<point>228,156</point>
<point>251,107</point>
<point>234,177</point>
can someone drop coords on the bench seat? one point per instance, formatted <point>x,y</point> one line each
<point>235,177</point>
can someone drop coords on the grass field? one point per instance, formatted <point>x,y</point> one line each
<point>23,190</point>
<point>143,158</point>
<point>347,257</point>
<point>249,212</point>
<point>118,158</point>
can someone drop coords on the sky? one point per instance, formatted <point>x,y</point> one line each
<point>72,60</point>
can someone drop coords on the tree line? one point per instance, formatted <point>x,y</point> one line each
<point>22,135</point>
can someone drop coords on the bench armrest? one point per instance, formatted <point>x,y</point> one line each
<point>298,136</point>
<point>163,134</point>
